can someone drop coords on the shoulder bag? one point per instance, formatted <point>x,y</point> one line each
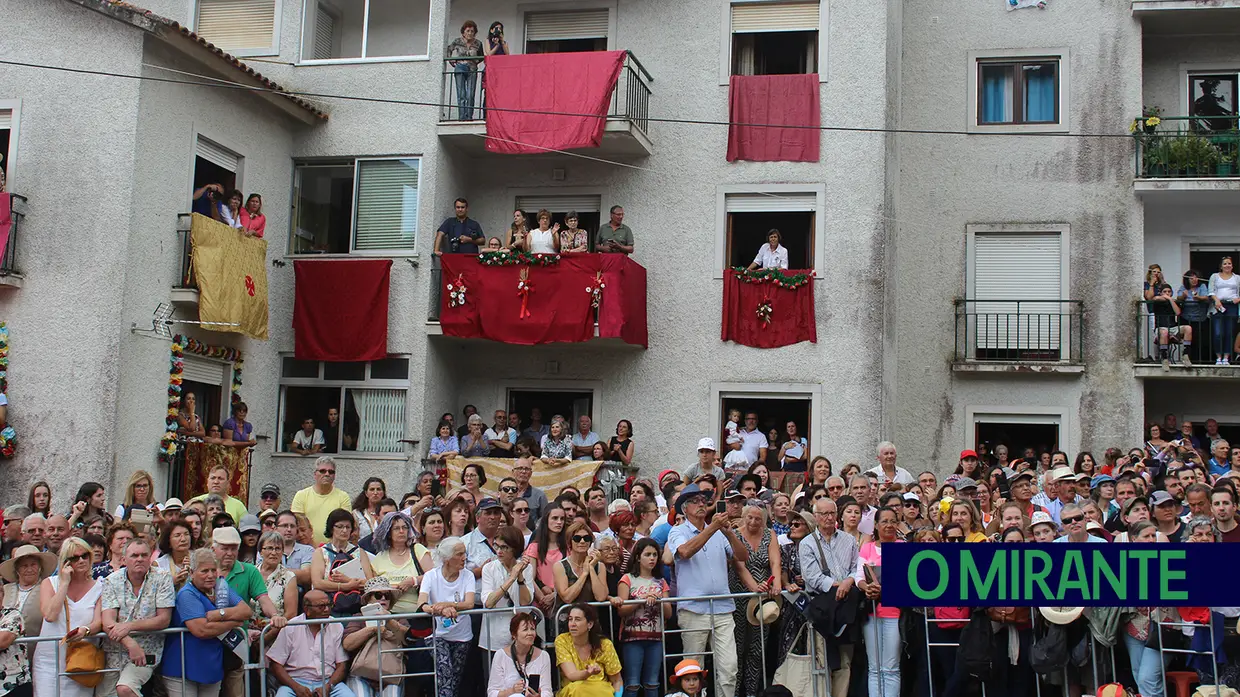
<point>83,660</point>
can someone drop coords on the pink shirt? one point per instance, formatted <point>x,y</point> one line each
<point>546,571</point>
<point>297,649</point>
<point>872,555</point>
<point>256,224</point>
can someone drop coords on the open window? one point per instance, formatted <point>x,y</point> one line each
<point>587,206</point>
<point>566,32</point>
<point>751,217</point>
<point>6,145</point>
<point>366,400</point>
<point>334,30</point>
<point>208,380</point>
<point>774,38</point>
<point>356,206</point>
<point>241,27</point>
<point>214,164</point>
<point>1213,96</point>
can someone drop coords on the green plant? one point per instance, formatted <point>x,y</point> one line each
<point>1189,152</point>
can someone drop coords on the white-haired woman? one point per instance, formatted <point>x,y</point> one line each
<point>194,660</point>
<point>70,604</point>
<point>446,590</point>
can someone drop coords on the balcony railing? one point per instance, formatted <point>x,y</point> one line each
<point>1187,147</point>
<point>8,265</point>
<point>464,97</point>
<point>1019,331</point>
<point>186,280</point>
<point>1194,316</point>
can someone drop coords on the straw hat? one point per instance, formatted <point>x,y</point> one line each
<point>378,584</point>
<point>762,610</point>
<point>1061,615</point>
<point>47,562</point>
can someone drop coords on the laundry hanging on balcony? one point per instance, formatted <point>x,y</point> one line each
<point>769,308</point>
<point>549,101</point>
<point>341,309</point>
<point>788,108</point>
<point>232,278</point>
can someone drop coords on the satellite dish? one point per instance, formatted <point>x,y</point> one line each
<point>161,322</point>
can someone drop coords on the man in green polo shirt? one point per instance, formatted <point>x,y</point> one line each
<point>217,483</point>
<point>247,582</point>
<point>615,236</point>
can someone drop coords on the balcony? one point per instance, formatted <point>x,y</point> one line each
<point>10,276</point>
<point>185,288</point>
<point>1182,17</point>
<point>1019,336</point>
<point>1200,351</point>
<point>555,309</point>
<point>625,135</point>
<point>1192,158</point>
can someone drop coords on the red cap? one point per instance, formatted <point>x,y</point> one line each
<point>663,474</point>
<point>968,453</point>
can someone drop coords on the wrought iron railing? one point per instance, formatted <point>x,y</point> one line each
<point>464,95</point>
<point>1158,325</point>
<point>1019,331</point>
<point>186,278</point>
<point>1187,147</point>
<point>8,265</point>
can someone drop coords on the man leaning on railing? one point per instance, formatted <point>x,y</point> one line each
<point>309,660</point>
<point>134,601</point>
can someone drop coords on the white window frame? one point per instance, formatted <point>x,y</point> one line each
<point>1064,231</point>
<point>367,383</point>
<point>811,392</point>
<point>380,253</point>
<point>973,123</point>
<point>301,42</point>
<point>1061,416</point>
<point>594,387</point>
<point>1187,70</point>
<point>10,158</point>
<point>721,218</point>
<point>273,50</point>
<point>565,191</point>
<point>725,36</point>
<point>574,5</point>
<point>224,142</point>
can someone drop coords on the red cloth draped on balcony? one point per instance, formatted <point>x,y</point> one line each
<point>6,221</point>
<point>792,312</point>
<point>341,309</point>
<point>789,103</point>
<point>558,303</point>
<point>520,90</point>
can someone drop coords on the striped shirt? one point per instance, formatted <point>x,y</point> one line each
<point>841,551</point>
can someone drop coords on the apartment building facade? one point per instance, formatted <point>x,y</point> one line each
<point>978,221</point>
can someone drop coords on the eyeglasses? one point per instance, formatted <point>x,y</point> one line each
<point>326,471</point>
<point>1068,520</point>
<point>270,497</point>
<point>508,489</point>
<point>955,538</point>
<point>501,547</point>
<point>521,510</point>
<point>911,504</point>
<point>79,557</point>
<point>582,538</point>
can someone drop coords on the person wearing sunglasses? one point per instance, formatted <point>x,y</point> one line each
<point>317,501</point>
<point>580,576</point>
<point>507,492</point>
<point>1073,519</point>
<point>70,605</point>
<point>269,498</point>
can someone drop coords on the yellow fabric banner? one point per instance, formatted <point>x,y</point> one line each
<point>232,277</point>
<point>550,478</point>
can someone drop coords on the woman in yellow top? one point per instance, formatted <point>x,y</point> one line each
<point>588,662</point>
<point>395,561</point>
<point>964,514</point>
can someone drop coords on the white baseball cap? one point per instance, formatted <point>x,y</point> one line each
<point>707,444</point>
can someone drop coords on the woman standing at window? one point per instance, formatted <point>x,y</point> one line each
<point>1225,293</point>
<point>1153,279</point>
<point>1194,300</point>
<point>546,239</point>
<point>572,238</point>
<point>621,447</point>
<point>771,255</point>
<point>188,421</point>
<point>495,45</point>
<point>792,452</point>
<point>518,232</point>
<point>464,53</point>
<point>444,446</point>
<point>237,429</point>
<point>253,222</point>
<point>472,443</point>
<point>557,448</point>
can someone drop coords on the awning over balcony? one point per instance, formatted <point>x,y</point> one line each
<point>543,300</point>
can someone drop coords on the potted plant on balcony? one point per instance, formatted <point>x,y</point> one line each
<point>1151,117</point>
<point>1191,156</point>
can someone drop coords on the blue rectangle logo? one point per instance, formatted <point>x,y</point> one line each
<point>1064,575</point>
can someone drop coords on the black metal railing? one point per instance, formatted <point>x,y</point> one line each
<point>1019,331</point>
<point>186,278</point>
<point>1187,147</point>
<point>8,265</point>
<point>464,96</point>
<point>1194,333</point>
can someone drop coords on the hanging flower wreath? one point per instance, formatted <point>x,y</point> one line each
<point>596,291</point>
<point>777,277</point>
<point>181,344</point>
<point>456,292</point>
<point>507,257</point>
<point>764,312</point>
<point>8,437</point>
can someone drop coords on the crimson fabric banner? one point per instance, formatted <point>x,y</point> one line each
<point>6,221</point>
<point>787,104</point>
<point>549,304</point>
<point>522,89</point>
<point>792,312</point>
<point>341,309</point>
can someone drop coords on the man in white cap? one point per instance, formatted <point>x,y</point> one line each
<point>706,462</point>
<point>1064,486</point>
<point>246,581</point>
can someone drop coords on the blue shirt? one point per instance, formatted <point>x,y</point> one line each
<point>204,658</point>
<point>1091,539</point>
<point>445,445</point>
<point>586,441</point>
<point>705,573</point>
<point>1216,468</point>
<point>464,232</point>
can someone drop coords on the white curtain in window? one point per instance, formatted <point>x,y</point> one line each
<point>387,204</point>
<point>382,417</point>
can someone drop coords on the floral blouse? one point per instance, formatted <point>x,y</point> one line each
<point>557,450</point>
<point>14,666</point>
<point>574,242</point>
<point>277,581</point>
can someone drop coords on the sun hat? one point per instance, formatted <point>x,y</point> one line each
<point>688,666</point>
<point>762,611</point>
<point>226,536</point>
<point>1061,615</point>
<point>808,518</point>
<point>686,494</point>
<point>378,584</point>
<point>1041,518</point>
<point>173,503</point>
<point>1061,473</point>
<point>47,562</point>
<point>707,444</point>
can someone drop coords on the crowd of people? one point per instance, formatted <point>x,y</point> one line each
<point>461,234</point>
<point>217,203</point>
<point>705,577</point>
<point>1200,311</point>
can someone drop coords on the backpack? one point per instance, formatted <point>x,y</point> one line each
<point>1049,654</point>
<point>976,646</point>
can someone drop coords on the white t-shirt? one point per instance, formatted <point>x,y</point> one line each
<point>767,259</point>
<point>541,242</point>
<point>306,442</point>
<point>495,634</point>
<point>439,590</point>
<point>1228,289</point>
<point>751,442</point>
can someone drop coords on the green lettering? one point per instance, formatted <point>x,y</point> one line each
<point>1166,574</point>
<point>1037,576</point>
<point>915,586</point>
<point>1142,557</point>
<point>1102,568</point>
<point>1072,575</point>
<point>1014,576</point>
<point>971,578</point>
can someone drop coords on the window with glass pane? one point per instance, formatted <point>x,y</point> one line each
<point>380,419</point>
<point>387,204</point>
<point>323,213</point>
<point>1018,92</point>
<point>356,29</point>
<point>367,398</point>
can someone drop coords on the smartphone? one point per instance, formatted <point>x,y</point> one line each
<point>150,659</point>
<point>534,681</point>
<point>721,507</point>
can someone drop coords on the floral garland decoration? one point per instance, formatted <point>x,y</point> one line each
<point>507,257</point>
<point>596,291</point>
<point>181,344</point>
<point>764,312</point>
<point>456,292</point>
<point>777,277</point>
<point>8,437</point>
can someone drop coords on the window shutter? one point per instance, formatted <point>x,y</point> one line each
<point>381,414</point>
<point>237,24</point>
<point>218,154</point>
<point>560,204</point>
<point>6,118</point>
<point>1011,267</point>
<point>550,26</point>
<point>771,203</point>
<point>387,204</point>
<point>751,18</point>
<point>205,370</point>
<point>324,29</point>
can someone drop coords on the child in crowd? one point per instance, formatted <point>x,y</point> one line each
<point>735,458</point>
<point>688,676</point>
<point>1171,329</point>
